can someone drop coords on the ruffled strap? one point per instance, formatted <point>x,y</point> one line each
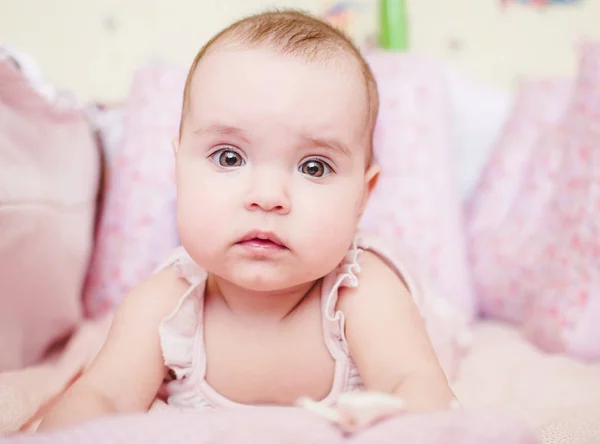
<point>180,331</point>
<point>333,319</point>
<point>184,267</point>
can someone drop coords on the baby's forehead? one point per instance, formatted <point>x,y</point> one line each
<point>243,80</point>
<point>230,55</point>
<point>264,97</point>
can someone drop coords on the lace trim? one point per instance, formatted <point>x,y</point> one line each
<point>178,332</point>
<point>346,277</point>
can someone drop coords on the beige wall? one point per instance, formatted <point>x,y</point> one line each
<point>92,46</point>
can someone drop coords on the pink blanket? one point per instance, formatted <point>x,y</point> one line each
<point>557,396</point>
<point>286,425</point>
<point>25,394</point>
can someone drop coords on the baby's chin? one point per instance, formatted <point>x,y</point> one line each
<point>265,283</point>
<point>265,279</point>
<point>277,274</point>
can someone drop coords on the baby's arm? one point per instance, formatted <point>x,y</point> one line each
<point>388,341</point>
<point>128,371</point>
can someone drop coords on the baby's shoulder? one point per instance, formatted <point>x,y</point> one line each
<point>378,270</point>
<point>156,297</point>
<point>167,284</point>
<point>380,277</point>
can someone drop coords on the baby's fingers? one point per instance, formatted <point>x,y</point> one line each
<point>330,413</point>
<point>356,411</point>
<point>363,409</point>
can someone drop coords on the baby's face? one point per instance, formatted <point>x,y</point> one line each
<point>271,170</point>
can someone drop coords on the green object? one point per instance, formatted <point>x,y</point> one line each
<point>393,25</point>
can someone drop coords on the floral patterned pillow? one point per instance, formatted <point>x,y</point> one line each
<point>564,312</point>
<point>509,200</point>
<point>534,226</point>
<point>137,228</point>
<point>416,206</point>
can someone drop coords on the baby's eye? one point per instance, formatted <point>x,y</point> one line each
<point>315,168</point>
<point>228,158</point>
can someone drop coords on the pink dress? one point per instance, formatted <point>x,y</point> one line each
<point>182,342</point>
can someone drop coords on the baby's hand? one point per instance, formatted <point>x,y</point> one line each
<point>355,411</point>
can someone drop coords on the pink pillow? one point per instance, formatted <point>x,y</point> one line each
<point>138,224</point>
<point>510,184</point>
<point>416,205</point>
<point>537,263</point>
<point>49,171</point>
<point>564,309</point>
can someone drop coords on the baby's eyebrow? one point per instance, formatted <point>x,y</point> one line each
<point>329,144</point>
<point>314,142</point>
<point>223,129</point>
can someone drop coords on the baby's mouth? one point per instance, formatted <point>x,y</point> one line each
<point>262,241</point>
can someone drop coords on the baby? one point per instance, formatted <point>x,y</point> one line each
<point>273,297</point>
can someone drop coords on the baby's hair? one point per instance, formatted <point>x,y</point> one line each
<point>294,33</point>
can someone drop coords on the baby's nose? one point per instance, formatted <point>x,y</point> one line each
<point>268,192</point>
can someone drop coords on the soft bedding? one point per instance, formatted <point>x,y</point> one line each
<point>556,397</point>
<point>290,425</point>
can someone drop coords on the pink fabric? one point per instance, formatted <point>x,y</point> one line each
<point>138,224</point>
<point>557,395</point>
<point>49,173</point>
<point>565,312</point>
<point>290,425</point>
<point>496,235</point>
<point>578,425</point>
<point>416,205</point>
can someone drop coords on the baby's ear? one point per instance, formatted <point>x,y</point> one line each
<point>371,178</point>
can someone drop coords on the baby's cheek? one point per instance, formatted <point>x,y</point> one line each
<point>341,210</point>
<point>328,227</point>
<point>196,218</point>
<point>199,194</point>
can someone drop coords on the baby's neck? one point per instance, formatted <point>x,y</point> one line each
<point>269,306</point>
